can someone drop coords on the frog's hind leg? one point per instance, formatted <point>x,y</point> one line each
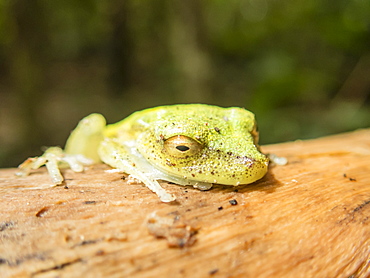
<point>80,150</point>
<point>127,159</point>
<point>54,158</point>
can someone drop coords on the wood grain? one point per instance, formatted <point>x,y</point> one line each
<point>310,218</point>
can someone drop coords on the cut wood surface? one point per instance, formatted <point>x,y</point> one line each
<point>309,218</point>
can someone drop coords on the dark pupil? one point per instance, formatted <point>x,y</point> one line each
<point>182,148</point>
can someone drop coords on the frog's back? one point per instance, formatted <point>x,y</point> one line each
<point>180,112</point>
<point>193,118</point>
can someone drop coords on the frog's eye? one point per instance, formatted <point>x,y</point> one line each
<point>181,146</point>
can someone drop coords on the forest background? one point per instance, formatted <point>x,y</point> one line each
<point>303,67</point>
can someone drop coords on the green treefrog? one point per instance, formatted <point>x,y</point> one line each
<point>187,144</point>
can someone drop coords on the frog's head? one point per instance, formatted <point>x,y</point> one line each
<point>212,145</point>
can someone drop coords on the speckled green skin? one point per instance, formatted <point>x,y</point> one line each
<point>229,153</point>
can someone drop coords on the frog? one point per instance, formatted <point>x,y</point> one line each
<point>184,144</point>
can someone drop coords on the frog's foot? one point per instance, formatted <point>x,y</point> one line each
<point>277,160</point>
<point>154,186</point>
<point>54,158</point>
<point>202,185</point>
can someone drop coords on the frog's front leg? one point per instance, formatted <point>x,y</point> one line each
<point>81,149</point>
<point>126,158</point>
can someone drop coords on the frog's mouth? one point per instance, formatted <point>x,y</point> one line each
<point>245,172</point>
<point>255,172</point>
<point>242,170</point>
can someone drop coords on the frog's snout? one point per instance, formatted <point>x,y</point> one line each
<point>255,170</point>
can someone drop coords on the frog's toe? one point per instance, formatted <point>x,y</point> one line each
<point>54,172</point>
<point>49,158</point>
<point>154,186</point>
<point>166,197</point>
<point>278,160</point>
<point>203,186</point>
<point>25,168</point>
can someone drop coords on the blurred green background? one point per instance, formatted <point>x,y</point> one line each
<point>303,66</point>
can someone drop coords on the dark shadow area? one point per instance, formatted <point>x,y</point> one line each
<point>267,184</point>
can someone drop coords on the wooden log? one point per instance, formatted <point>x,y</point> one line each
<point>309,218</point>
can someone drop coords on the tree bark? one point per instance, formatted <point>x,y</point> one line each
<point>309,218</point>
